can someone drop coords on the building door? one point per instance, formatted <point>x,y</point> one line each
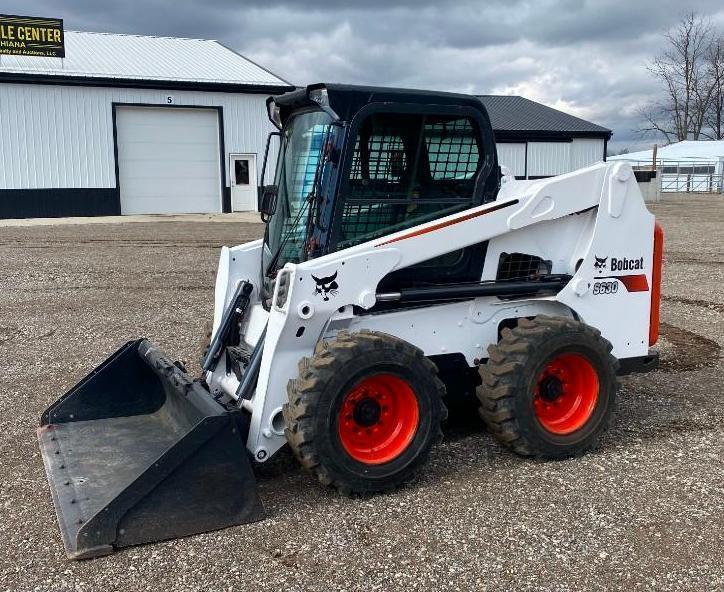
<point>169,160</point>
<point>243,182</point>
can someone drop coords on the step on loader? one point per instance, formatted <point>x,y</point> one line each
<point>401,267</point>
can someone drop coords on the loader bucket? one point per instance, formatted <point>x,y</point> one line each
<point>137,452</point>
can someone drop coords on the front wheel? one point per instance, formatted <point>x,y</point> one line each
<point>364,412</point>
<point>549,387</point>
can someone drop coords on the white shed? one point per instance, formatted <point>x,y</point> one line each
<point>536,141</point>
<point>690,166</point>
<point>128,124</point>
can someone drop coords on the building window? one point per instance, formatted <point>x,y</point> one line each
<point>241,171</point>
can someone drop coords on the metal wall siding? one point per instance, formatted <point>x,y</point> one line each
<point>512,155</point>
<point>548,158</point>
<point>585,152</point>
<point>62,136</point>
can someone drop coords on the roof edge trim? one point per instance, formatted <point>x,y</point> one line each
<point>96,81</point>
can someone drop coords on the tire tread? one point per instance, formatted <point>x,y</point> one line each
<point>502,380</point>
<point>330,358</point>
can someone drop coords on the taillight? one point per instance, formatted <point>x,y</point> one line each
<point>656,283</point>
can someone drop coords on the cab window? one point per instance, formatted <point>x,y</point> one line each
<point>408,169</point>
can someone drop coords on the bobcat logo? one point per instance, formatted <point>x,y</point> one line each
<point>600,263</point>
<point>326,286</point>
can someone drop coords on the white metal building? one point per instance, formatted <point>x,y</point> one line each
<point>536,141</point>
<point>128,124</point>
<point>688,166</point>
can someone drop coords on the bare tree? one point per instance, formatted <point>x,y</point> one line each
<point>682,71</point>
<point>714,118</point>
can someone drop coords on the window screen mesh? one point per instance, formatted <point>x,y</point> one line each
<point>521,266</point>
<point>380,158</point>
<point>407,170</point>
<point>452,149</point>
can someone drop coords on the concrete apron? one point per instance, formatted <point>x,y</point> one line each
<point>243,217</point>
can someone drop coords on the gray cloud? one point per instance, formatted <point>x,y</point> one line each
<point>584,56</point>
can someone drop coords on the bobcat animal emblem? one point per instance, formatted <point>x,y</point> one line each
<point>600,263</point>
<point>326,286</point>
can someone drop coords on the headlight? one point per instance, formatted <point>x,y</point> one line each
<point>319,96</point>
<point>275,113</point>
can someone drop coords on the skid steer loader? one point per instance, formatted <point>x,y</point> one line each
<point>400,264</point>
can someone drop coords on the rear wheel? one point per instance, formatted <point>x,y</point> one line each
<point>364,412</point>
<point>566,393</point>
<point>549,387</point>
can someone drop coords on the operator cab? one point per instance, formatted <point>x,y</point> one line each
<point>356,163</point>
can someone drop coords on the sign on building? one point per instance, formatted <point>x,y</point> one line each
<point>31,36</point>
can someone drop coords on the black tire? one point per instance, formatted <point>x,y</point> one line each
<point>325,384</point>
<point>518,393</point>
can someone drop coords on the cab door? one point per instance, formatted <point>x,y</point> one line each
<point>413,166</point>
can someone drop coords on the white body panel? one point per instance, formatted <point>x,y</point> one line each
<point>466,327</point>
<point>168,160</point>
<point>236,264</point>
<point>573,220</point>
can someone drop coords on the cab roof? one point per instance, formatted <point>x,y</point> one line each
<point>346,100</point>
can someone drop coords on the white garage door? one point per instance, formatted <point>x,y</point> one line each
<point>168,160</point>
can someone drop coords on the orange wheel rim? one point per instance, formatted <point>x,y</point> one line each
<point>566,393</point>
<point>378,419</point>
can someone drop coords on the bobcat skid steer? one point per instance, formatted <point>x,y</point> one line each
<point>399,265</point>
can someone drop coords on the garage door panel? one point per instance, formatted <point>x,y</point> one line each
<point>148,191</point>
<point>178,155</point>
<point>173,135</point>
<point>148,169</point>
<point>151,204</point>
<point>139,186</point>
<point>164,153</point>
<point>168,160</point>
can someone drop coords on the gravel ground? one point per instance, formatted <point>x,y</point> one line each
<point>643,513</point>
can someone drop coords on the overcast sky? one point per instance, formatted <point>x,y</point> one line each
<point>586,57</point>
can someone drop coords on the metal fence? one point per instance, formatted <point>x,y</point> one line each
<point>690,175</point>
